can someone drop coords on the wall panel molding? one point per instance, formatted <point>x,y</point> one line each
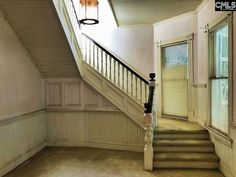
<point>74,94</point>
<point>73,100</point>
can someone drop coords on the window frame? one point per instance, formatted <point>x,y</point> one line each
<point>223,20</point>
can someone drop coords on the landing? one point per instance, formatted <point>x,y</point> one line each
<point>174,124</point>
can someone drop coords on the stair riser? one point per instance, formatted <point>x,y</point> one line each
<point>181,136</point>
<point>155,144</point>
<point>184,164</point>
<point>183,149</point>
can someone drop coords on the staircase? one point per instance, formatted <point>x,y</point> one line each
<point>128,91</point>
<point>111,77</point>
<point>184,149</point>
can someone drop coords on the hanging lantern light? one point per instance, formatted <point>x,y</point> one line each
<point>89,12</point>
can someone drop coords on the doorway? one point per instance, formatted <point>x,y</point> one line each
<point>174,72</point>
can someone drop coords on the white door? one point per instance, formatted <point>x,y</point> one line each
<point>174,80</point>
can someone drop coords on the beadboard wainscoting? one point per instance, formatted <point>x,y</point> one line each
<point>79,116</point>
<point>101,129</point>
<point>21,137</point>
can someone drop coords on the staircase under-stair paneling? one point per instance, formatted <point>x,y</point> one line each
<point>184,149</point>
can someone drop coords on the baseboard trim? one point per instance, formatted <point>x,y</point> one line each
<point>135,148</point>
<point>20,159</point>
<point>226,171</point>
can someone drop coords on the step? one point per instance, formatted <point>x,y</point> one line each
<point>182,136</point>
<point>182,143</point>
<point>186,160</point>
<point>183,149</point>
<point>186,156</point>
<point>184,165</point>
<point>176,131</point>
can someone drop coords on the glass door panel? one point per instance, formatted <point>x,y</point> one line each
<point>174,80</point>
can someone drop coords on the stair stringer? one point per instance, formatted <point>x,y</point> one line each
<point>118,98</point>
<point>69,25</point>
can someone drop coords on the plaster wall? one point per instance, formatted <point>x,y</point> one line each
<point>132,44</point>
<point>22,122</point>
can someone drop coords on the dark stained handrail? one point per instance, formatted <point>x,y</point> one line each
<point>115,58</point>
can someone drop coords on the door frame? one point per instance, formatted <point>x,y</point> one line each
<point>225,18</point>
<point>188,39</point>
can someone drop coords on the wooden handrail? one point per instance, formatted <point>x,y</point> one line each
<point>115,58</point>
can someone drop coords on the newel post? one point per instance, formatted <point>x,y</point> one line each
<point>148,123</point>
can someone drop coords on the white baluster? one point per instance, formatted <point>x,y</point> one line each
<point>131,84</point>
<point>106,65</point>
<point>90,53</point>
<point>123,79</point>
<point>93,56</point>
<point>118,74</point>
<point>141,94</point>
<point>101,54</point>
<point>97,59</point>
<point>127,80</point>
<point>115,72</point>
<point>86,50</point>
<point>110,67</point>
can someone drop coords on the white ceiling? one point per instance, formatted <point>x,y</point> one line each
<point>130,12</point>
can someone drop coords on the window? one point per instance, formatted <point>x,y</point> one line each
<point>219,78</point>
<point>175,55</point>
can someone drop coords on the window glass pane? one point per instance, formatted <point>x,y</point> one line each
<point>219,86</point>
<point>174,80</point>
<point>221,52</point>
<point>175,55</point>
<point>219,101</point>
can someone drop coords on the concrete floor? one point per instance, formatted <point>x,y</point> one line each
<point>89,162</point>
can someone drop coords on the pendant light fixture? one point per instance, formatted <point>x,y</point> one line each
<point>89,12</point>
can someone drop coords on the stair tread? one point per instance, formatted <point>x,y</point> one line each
<point>176,131</point>
<point>184,149</point>
<point>186,156</point>
<point>182,142</point>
